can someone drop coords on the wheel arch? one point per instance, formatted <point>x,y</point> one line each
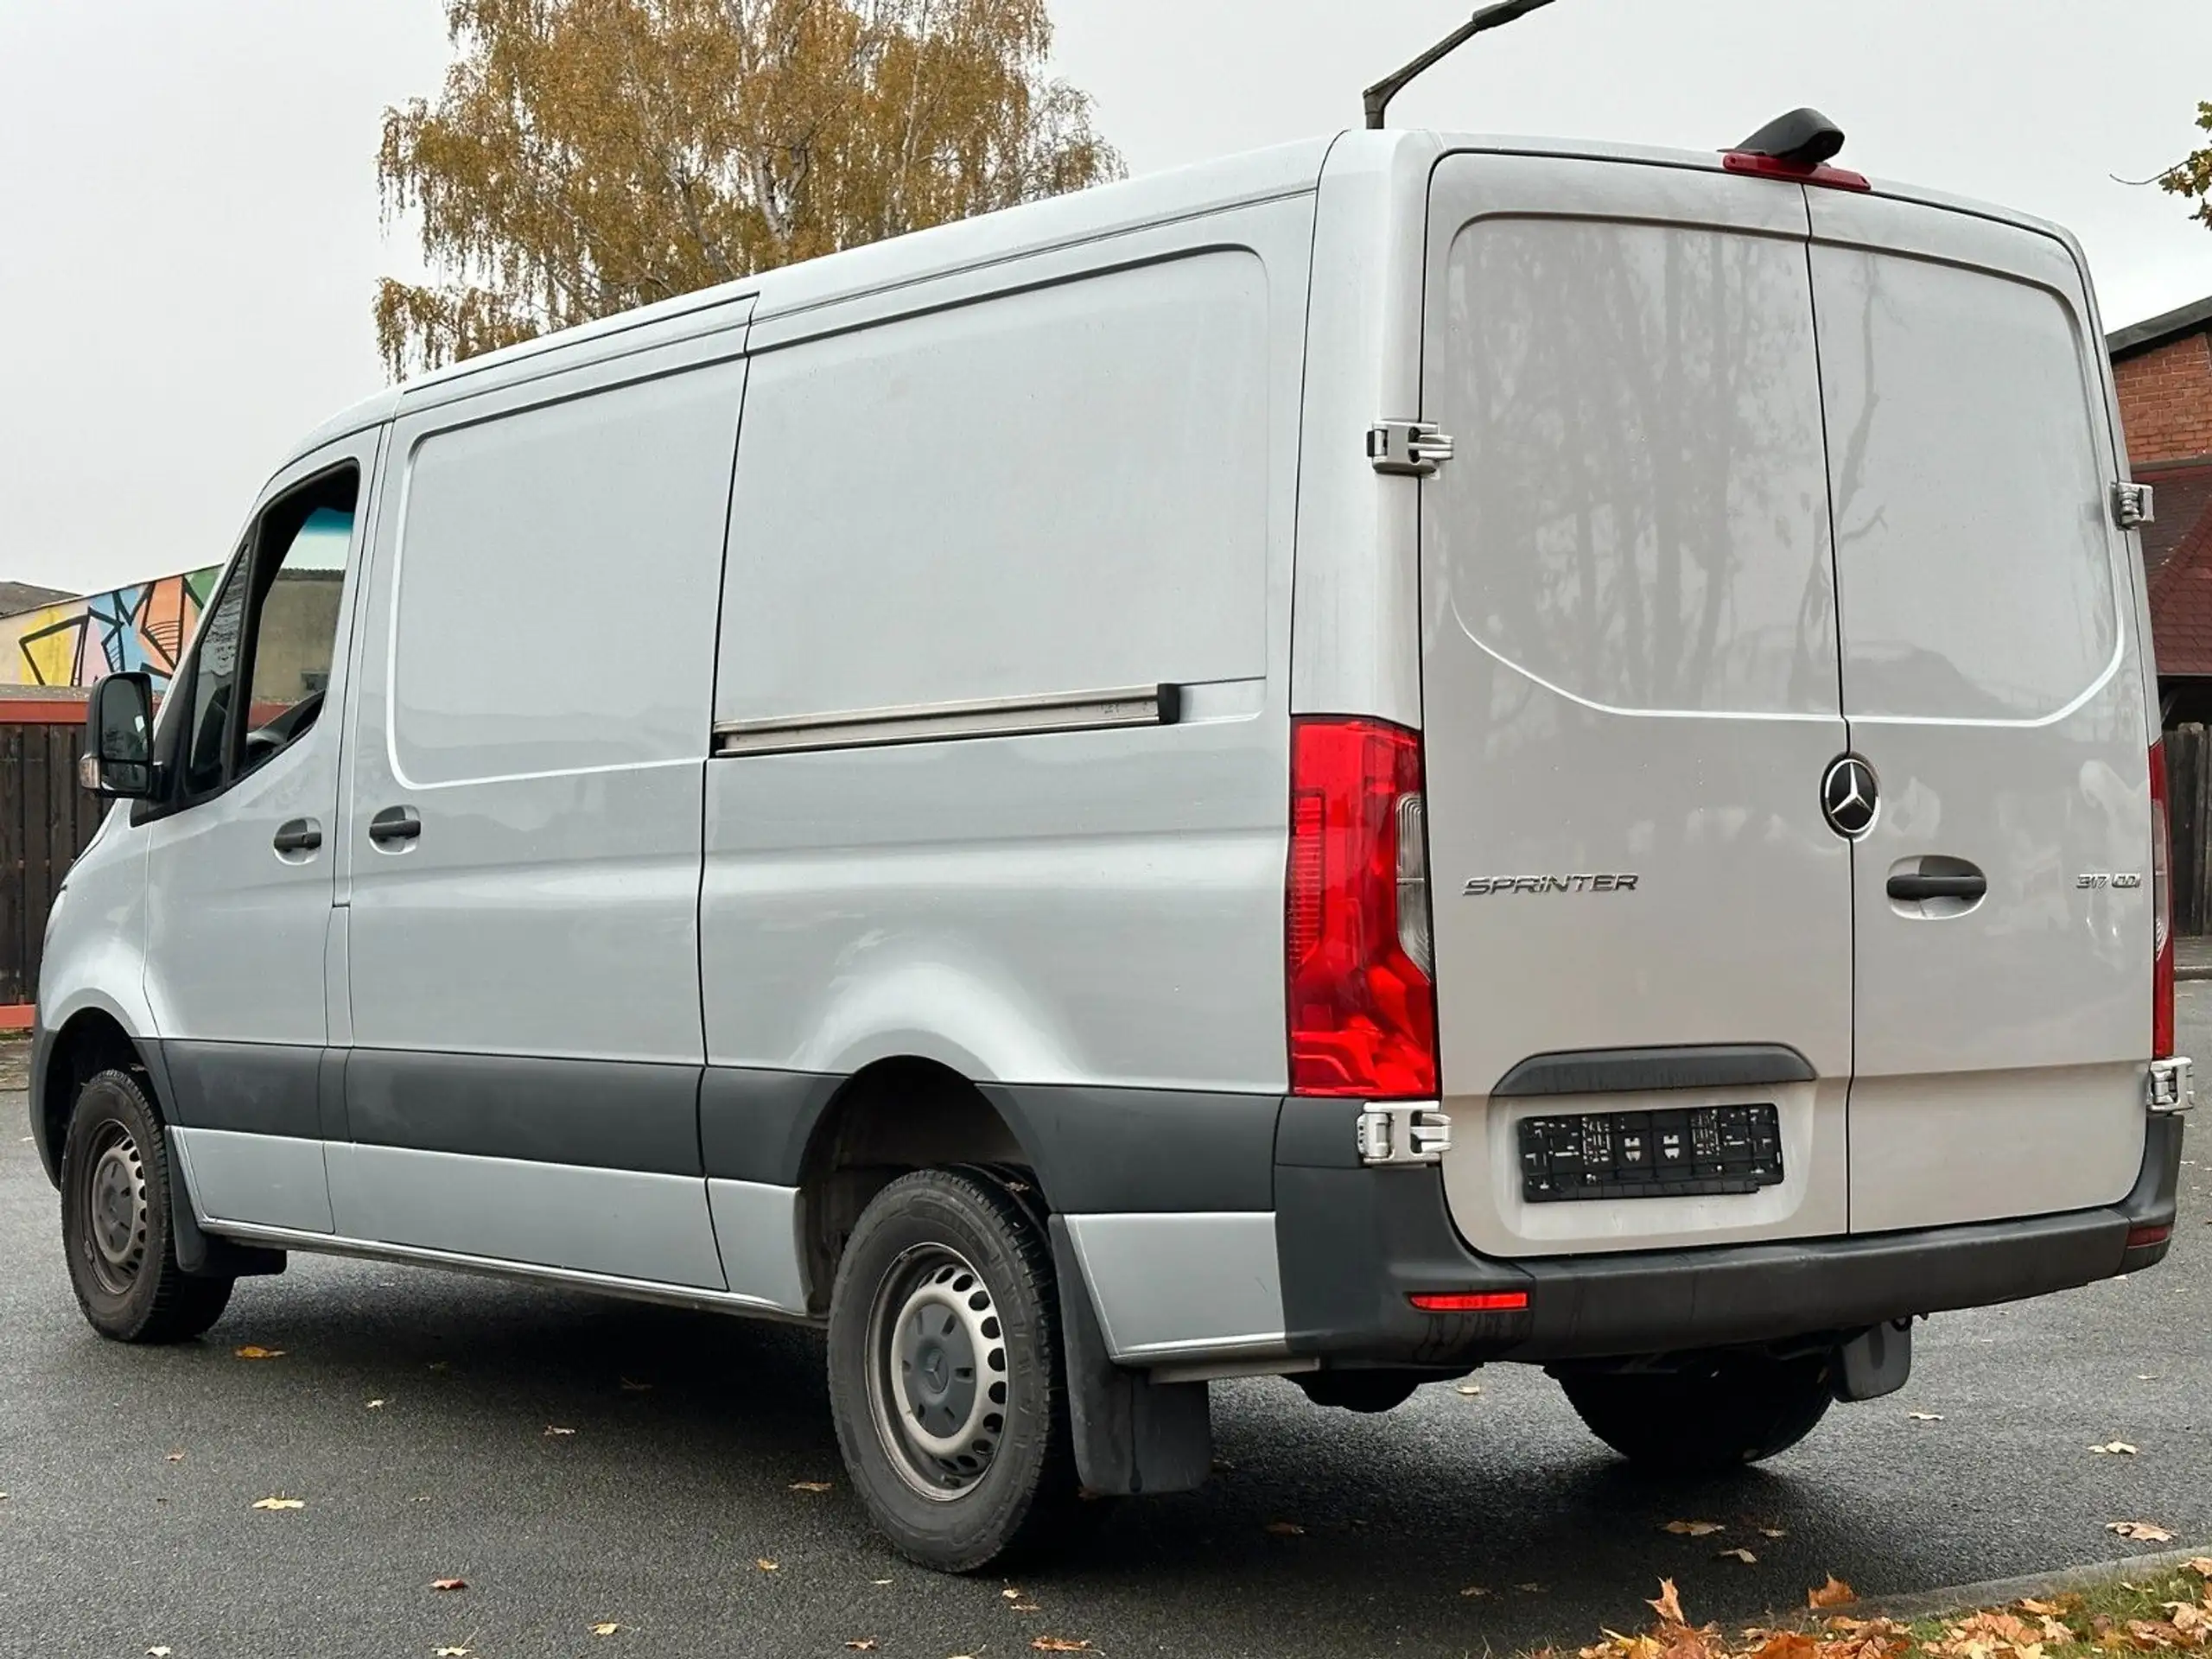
<point>892,1117</point>
<point>93,1037</point>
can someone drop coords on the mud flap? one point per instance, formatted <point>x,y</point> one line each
<point>1133,1436</point>
<point>1874,1362</point>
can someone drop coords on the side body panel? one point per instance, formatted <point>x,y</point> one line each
<point>524,969</point>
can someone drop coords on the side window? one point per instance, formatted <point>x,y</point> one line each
<point>271,634</point>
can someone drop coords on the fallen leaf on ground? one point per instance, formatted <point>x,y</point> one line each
<point>2041,1609</point>
<point>811,1485</point>
<point>630,1386</point>
<point>2143,1532</point>
<point>1469,1389</point>
<point>2152,1634</point>
<point>448,1583</point>
<point>553,1431</point>
<point>251,1352</point>
<point>1025,1607</point>
<point>1010,1595</point>
<point>767,1565</point>
<point>2202,1567</point>
<point>1774,1532</point>
<point>879,1581</point>
<point>1694,1528</point>
<point>1475,1590</point>
<point>375,1405</point>
<point>862,1644</point>
<point>1925,1416</point>
<point>450,1653</point>
<point>1668,1604</point>
<point>440,1364</point>
<point>2114,1449</point>
<point>279,1503</point>
<point>1834,1593</point>
<point>1532,1589</point>
<point>176,1457</point>
<point>1286,1529</point>
<point>1058,1644</point>
<point>157,1653</point>
<point>608,1628</point>
<point>1742,1555</point>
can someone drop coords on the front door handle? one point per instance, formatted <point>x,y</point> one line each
<point>1908,889</point>
<point>395,824</point>
<point>300,835</point>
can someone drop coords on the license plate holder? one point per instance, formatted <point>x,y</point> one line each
<point>1697,1152</point>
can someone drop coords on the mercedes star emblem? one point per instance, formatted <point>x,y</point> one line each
<point>1850,798</point>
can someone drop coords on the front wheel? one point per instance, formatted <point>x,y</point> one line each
<point>945,1375</point>
<point>1715,1413</point>
<point>116,1229</point>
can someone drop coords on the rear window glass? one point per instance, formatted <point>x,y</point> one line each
<point>1972,546</point>
<point>1637,515</point>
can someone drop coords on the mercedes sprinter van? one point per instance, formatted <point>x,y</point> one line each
<point>1403,753</point>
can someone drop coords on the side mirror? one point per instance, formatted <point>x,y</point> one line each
<point>118,760</point>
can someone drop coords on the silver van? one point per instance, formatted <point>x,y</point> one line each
<point>1406,752</point>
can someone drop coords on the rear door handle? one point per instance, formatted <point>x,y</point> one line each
<point>300,835</point>
<point>395,824</point>
<point>1908,889</point>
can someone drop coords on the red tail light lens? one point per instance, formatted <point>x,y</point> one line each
<point>2161,911</point>
<point>1363,1012</point>
<point>1481,1301</point>
<point>1773,166</point>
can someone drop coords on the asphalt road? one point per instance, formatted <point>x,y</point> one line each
<point>131,1477</point>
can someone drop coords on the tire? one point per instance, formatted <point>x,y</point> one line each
<point>1717,1413</point>
<point>946,1380</point>
<point>116,1230</point>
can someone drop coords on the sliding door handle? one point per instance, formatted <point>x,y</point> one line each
<point>1910,889</point>
<point>395,824</point>
<point>299,836</point>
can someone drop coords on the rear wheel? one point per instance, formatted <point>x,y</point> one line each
<point>945,1374</point>
<point>1716,1412</point>
<point>116,1230</point>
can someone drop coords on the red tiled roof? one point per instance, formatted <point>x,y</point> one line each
<point>2178,555</point>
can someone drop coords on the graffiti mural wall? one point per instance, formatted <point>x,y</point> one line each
<point>146,626</point>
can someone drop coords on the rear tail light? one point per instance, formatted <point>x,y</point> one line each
<point>2161,911</point>
<point>2142,1238</point>
<point>1361,996</point>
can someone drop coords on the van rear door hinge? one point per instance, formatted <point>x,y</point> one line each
<point>1407,449</point>
<point>2134,506</point>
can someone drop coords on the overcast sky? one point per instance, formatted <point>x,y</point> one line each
<point>190,235</point>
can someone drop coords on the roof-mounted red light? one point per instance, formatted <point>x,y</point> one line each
<point>1773,166</point>
<point>1471,1301</point>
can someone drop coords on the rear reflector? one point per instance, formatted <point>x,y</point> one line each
<point>1773,166</point>
<point>2139,1238</point>
<point>1362,1009</point>
<point>2161,911</point>
<point>1471,1301</point>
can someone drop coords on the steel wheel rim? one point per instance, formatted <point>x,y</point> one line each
<point>115,1208</point>
<point>936,1371</point>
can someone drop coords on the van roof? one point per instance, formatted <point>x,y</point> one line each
<point>1060,221</point>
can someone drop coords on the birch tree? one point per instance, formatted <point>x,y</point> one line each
<point>585,157</point>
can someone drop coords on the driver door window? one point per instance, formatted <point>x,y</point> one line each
<point>274,629</point>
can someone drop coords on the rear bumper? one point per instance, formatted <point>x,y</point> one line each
<point>1355,1243</point>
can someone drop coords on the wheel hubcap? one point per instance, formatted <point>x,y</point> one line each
<point>938,1371</point>
<point>115,1209</point>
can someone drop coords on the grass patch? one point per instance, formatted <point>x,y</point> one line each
<point>2154,1612</point>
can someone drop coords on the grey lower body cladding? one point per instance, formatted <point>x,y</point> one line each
<point>1357,1243</point>
<point>1352,1244</point>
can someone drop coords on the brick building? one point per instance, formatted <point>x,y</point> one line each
<point>2164,368</point>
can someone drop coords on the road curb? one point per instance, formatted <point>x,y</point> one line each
<point>1998,1592</point>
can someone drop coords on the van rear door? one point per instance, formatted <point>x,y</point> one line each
<point>1992,684</point>
<point>1629,700</point>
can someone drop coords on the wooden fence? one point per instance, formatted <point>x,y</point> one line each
<point>45,822</point>
<point>2189,796</point>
